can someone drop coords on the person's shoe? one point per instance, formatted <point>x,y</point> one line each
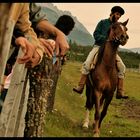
<point>79,89</point>
<point>120,90</point>
<point>120,96</point>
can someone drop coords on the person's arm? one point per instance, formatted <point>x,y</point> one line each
<point>40,22</point>
<point>98,33</point>
<point>36,16</point>
<point>25,26</point>
<point>61,42</point>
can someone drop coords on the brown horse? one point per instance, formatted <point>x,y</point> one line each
<point>102,81</point>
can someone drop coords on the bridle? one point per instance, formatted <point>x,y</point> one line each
<point>118,40</point>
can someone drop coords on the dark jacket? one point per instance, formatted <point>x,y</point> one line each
<point>101,31</point>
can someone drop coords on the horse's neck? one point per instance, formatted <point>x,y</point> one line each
<point>109,55</point>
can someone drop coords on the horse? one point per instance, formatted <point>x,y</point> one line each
<point>102,81</point>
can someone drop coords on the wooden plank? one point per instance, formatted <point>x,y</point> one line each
<point>5,48</point>
<point>9,114</point>
<point>12,121</point>
<point>20,124</point>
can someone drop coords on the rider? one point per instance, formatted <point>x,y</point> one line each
<point>100,35</point>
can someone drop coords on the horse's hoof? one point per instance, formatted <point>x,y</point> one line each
<point>85,125</point>
<point>96,135</point>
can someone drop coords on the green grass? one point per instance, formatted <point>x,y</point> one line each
<point>122,119</point>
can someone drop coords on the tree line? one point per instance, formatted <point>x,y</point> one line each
<point>79,53</point>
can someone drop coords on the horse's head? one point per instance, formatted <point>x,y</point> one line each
<point>118,33</point>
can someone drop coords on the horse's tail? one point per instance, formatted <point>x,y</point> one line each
<point>89,94</point>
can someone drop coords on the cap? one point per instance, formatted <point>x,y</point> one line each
<point>117,9</point>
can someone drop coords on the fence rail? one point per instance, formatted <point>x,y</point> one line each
<point>133,70</point>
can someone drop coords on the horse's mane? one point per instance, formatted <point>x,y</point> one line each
<point>101,50</point>
<point>100,53</point>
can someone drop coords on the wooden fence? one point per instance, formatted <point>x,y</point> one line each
<point>14,107</point>
<point>24,109</point>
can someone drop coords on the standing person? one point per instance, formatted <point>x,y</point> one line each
<point>24,34</point>
<point>19,14</point>
<point>23,42</point>
<point>100,34</point>
<point>40,77</point>
<point>19,19</point>
<point>65,23</point>
<point>33,51</point>
<point>26,14</point>
<point>36,16</point>
<point>41,24</point>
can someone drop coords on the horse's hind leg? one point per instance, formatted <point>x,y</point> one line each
<point>86,120</point>
<point>105,107</point>
<point>89,105</point>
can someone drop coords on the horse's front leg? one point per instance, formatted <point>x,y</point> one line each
<point>96,130</point>
<point>105,107</point>
<point>86,120</point>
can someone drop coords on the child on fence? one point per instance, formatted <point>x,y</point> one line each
<point>5,88</point>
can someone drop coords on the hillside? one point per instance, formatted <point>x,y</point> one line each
<point>79,34</point>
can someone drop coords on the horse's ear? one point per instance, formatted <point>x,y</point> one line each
<point>125,23</point>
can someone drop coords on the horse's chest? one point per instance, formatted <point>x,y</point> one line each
<point>106,80</point>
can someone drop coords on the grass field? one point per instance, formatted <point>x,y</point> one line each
<point>122,119</point>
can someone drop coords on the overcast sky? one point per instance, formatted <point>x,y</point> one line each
<point>89,14</point>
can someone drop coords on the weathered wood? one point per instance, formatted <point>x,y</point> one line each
<point>4,11</point>
<point>20,123</point>
<point>40,85</point>
<point>6,31</point>
<point>54,76</point>
<point>10,109</point>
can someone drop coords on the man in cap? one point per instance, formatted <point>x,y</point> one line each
<point>100,34</point>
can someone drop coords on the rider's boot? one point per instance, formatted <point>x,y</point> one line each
<point>80,87</point>
<point>120,90</point>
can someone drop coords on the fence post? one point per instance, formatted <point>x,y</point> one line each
<point>14,107</point>
<point>6,30</point>
<point>12,110</point>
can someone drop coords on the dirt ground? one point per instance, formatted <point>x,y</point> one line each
<point>131,109</point>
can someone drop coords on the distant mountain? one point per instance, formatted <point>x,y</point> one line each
<point>79,34</point>
<point>136,50</point>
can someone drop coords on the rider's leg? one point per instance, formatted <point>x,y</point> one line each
<point>121,74</point>
<point>86,69</point>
